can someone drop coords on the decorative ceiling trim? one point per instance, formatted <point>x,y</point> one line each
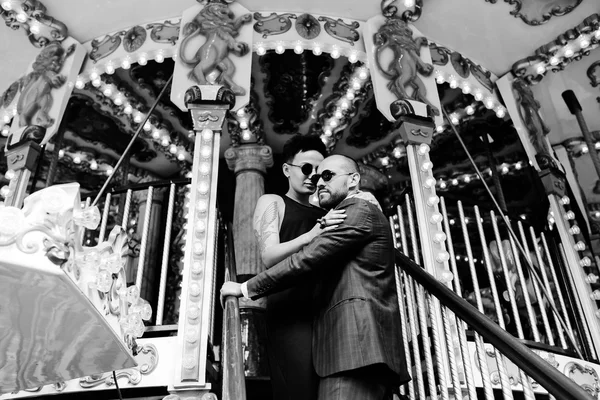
<point>138,44</point>
<point>30,15</point>
<point>549,9</point>
<point>414,9</point>
<point>571,46</point>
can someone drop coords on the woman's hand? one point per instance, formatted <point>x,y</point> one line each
<point>330,221</point>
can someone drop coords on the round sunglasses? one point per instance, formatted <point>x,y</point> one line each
<point>306,169</point>
<point>326,175</point>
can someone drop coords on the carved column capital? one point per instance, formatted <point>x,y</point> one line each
<point>415,130</point>
<point>249,157</point>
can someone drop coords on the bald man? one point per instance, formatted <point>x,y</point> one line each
<point>357,340</point>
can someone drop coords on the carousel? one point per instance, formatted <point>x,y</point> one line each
<point>137,137</point>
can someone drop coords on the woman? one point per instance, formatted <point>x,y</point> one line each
<point>283,225</point>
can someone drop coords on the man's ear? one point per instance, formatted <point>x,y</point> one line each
<point>354,181</point>
<point>286,170</point>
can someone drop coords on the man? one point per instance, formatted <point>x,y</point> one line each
<point>283,225</point>
<point>357,339</point>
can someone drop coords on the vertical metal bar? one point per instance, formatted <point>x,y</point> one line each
<point>462,327</point>
<point>421,308</point>
<point>528,306</point>
<point>536,288</point>
<point>104,218</point>
<point>507,281</point>
<point>500,359</point>
<point>144,244</point>
<point>125,219</point>
<point>577,303</point>
<point>527,389</point>
<point>558,294</point>
<point>410,302</point>
<point>479,346</point>
<point>162,288</point>
<point>403,320</point>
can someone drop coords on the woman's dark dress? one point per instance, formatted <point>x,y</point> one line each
<point>289,319</point>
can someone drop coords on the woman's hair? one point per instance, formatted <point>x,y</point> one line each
<point>299,143</point>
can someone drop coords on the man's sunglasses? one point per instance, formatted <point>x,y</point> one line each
<point>326,175</point>
<point>306,169</point>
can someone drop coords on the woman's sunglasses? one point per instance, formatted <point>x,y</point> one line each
<point>306,169</point>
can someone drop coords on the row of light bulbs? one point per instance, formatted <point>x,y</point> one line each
<point>317,48</point>
<point>94,75</point>
<point>568,50</point>
<point>467,88</point>
<point>93,164</point>
<point>198,233</point>
<point>160,135</point>
<point>343,105</point>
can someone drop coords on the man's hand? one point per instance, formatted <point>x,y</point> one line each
<point>230,289</point>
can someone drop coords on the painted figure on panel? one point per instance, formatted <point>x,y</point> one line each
<point>406,62</point>
<point>211,63</point>
<point>529,110</point>
<point>36,98</point>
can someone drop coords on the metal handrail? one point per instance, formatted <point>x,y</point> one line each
<point>234,384</point>
<point>539,370</point>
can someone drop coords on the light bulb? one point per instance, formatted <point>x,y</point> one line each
<point>335,53</point>
<point>423,149</point>
<point>142,60</point>
<point>470,110</point>
<point>159,58</point>
<point>261,51</point>
<point>353,57</point>
<point>207,134</point>
<point>436,218</point>
<point>554,60</point>
<point>279,49</point>
<point>110,69</point>
<point>298,49</point>
<point>426,166</point>
<point>317,51</point>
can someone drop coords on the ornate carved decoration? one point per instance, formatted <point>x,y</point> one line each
<point>273,24</point>
<point>9,95</point>
<point>292,84</point>
<point>217,23</point>
<point>571,46</point>
<point>308,27</point>
<point>538,12</point>
<point>340,30</point>
<point>134,375</point>
<point>106,46</point>
<point>585,377</point>
<point>463,66</point>
<point>529,111</point>
<point>397,36</point>
<point>164,32</point>
<point>36,97</point>
<point>593,72</point>
<point>41,29</point>
<point>412,14</point>
<point>134,38</point>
